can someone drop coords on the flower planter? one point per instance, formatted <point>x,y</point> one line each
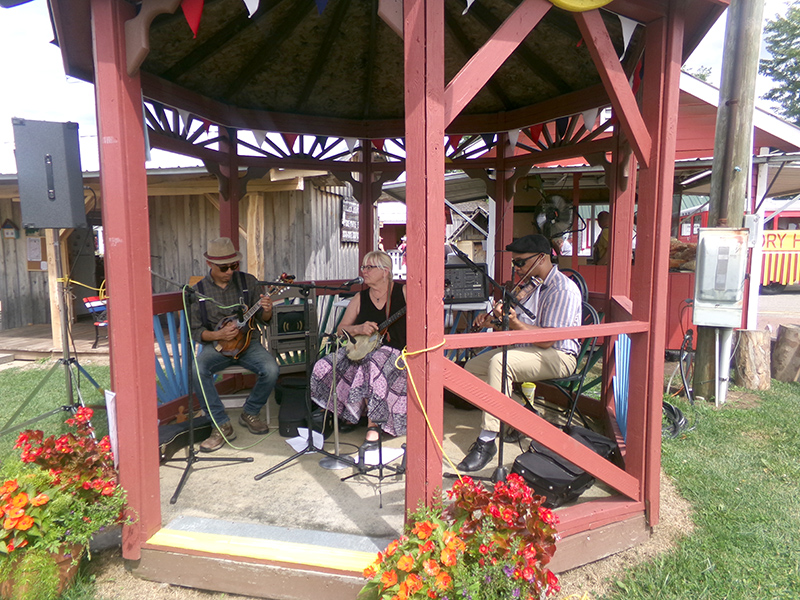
<point>26,579</point>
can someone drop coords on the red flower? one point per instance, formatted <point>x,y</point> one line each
<point>484,549</point>
<point>427,547</point>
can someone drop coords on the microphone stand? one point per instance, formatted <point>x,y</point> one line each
<point>191,454</point>
<point>310,448</point>
<point>501,472</point>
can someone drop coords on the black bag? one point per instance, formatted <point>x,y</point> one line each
<point>555,478</point>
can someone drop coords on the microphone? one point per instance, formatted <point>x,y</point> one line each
<point>352,282</point>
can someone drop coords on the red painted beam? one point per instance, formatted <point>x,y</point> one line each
<point>490,400</point>
<point>127,238</point>
<point>484,63</point>
<point>615,81</point>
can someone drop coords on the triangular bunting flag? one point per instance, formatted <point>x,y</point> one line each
<point>628,25</point>
<point>193,11</point>
<point>289,138</point>
<point>378,144</point>
<point>589,117</point>
<point>454,141</point>
<point>184,116</point>
<point>536,131</point>
<point>469,4</point>
<point>488,139</point>
<point>206,124</point>
<point>637,78</point>
<point>321,4</point>
<point>260,136</point>
<point>252,6</point>
<point>351,143</point>
<point>513,136</point>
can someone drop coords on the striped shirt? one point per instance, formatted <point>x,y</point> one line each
<point>556,303</point>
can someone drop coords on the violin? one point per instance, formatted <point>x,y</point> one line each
<point>522,291</point>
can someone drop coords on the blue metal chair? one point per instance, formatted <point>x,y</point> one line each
<point>622,354</point>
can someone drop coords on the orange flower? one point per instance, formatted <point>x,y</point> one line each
<point>443,581</point>
<point>20,500</point>
<point>9,486</point>
<point>369,572</point>
<point>10,523</point>
<point>25,523</point>
<point>427,547</point>
<point>431,567</point>
<point>423,529</point>
<point>10,547</point>
<point>15,513</point>
<point>406,563</point>
<point>388,579</point>
<point>431,594</point>
<point>449,556</point>
<point>392,548</point>
<point>402,593</point>
<point>40,499</point>
<point>414,583</point>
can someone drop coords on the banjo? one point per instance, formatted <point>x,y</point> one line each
<point>358,346</point>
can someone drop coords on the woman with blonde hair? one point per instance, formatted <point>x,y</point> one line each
<point>372,385</point>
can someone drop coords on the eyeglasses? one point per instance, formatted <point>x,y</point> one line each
<point>232,267</point>
<point>368,268</point>
<point>520,262</point>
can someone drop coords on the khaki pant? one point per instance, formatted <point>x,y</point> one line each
<point>526,363</point>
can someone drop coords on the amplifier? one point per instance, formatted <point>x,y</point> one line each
<point>462,284</point>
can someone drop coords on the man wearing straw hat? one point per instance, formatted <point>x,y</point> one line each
<point>222,292</point>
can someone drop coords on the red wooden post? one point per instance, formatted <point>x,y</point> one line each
<point>424,122</point>
<point>124,197</point>
<point>660,112</point>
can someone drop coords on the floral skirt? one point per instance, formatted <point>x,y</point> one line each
<point>373,385</point>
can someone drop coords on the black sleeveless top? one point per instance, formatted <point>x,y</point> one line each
<point>396,337</point>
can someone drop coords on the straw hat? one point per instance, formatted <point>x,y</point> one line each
<point>221,252</point>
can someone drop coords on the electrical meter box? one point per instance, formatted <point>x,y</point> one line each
<point>719,281</point>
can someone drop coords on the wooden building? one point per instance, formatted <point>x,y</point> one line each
<point>367,90</point>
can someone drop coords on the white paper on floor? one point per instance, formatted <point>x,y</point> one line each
<point>301,441</point>
<point>389,454</point>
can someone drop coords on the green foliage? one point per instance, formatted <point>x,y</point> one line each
<point>782,37</point>
<point>35,575</point>
<point>740,469</point>
<point>702,73</point>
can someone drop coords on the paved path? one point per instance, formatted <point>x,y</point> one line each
<point>779,309</point>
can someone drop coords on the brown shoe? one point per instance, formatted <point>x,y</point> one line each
<point>215,441</point>
<point>253,423</point>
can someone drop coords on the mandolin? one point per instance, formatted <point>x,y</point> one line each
<point>234,347</point>
<point>358,346</point>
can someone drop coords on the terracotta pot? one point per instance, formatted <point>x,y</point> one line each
<point>16,587</point>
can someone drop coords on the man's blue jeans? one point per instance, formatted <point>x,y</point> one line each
<point>255,359</point>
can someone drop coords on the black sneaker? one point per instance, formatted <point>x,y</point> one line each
<point>479,455</point>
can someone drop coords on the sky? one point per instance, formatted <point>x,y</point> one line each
<point>36,87</point>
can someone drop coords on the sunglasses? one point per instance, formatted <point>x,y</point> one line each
<point>232,267</point>
<point>369,268</point>
<point>520,262</point>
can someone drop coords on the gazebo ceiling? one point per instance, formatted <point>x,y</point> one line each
<point>291,68</point>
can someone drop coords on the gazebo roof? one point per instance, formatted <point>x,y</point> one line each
<point>294,69</point>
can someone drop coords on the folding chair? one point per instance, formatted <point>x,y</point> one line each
<point>97,307</point>
<point>579,281</point>
<point>573,385</point>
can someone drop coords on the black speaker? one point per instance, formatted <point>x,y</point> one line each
<point>49,174</point>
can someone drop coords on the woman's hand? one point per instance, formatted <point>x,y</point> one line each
<point>367,328</point>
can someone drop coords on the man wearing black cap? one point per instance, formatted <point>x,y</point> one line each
<point>221,292</point>
<point>555,303</point>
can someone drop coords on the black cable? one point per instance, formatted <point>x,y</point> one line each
<point>677,422</point>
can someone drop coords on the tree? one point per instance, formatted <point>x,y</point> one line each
<point>782,36</point>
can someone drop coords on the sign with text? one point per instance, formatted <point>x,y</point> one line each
<point>349,220</point>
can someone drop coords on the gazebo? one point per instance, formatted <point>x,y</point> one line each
<point>367,90</point>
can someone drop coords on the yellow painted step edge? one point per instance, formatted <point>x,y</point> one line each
<point>287,552</point>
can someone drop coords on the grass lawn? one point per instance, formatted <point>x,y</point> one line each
<point>739,467</point>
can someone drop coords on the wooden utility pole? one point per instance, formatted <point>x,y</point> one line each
<point>733,150</point>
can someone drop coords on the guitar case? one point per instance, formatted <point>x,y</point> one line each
<point>174,436</point>
<point>554,477</point>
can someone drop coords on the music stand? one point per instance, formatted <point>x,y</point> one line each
<point>500,472</point>
<point>191,455</point>
<point>310,448</point>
